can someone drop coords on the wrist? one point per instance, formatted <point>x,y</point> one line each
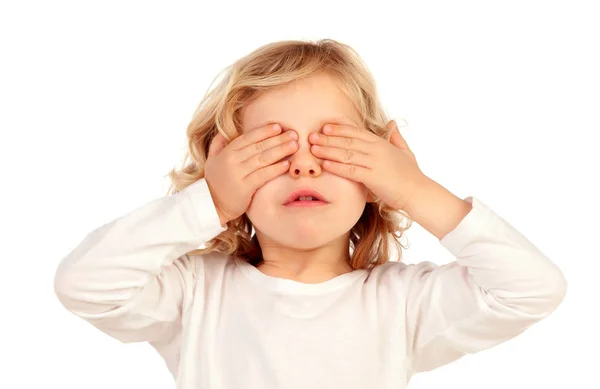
<point>420,186</point>
<point>436,209</point>
<point>222,219</point>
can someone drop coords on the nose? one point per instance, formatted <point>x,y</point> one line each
<point>303,162</point>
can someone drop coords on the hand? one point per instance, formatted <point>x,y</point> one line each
<point>387,168</point>
<point>236,170</point>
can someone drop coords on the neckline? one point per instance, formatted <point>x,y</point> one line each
<point>287,286</point>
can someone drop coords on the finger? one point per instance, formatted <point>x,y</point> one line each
<point>255,135</point>
<point>259,147</point>
<point>342,155</point>
<point>351,172</point>
<point>217,144</point>
<point>340,142</point>
<point>396,138</point>
<point>269,157</point>
<point>349,131</point>
<point>259,177</point>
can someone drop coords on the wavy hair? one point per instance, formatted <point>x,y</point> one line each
<point>277,64</point>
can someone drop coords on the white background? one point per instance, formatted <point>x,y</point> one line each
<point>502,102</point>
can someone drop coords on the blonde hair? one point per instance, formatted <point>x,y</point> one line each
<point>272,65</point>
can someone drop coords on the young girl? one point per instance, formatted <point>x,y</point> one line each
<point>268,265</point>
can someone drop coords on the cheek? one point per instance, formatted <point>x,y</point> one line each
<point>355,190</point>
<point>364,191</point>
<point>264,200</point>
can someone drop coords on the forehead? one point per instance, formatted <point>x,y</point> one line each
<point>306,103</point>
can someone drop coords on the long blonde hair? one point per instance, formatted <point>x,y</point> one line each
<point>272,65</point>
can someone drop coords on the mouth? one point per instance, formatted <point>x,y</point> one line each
<point>304,197</point>
<point>305,203</point>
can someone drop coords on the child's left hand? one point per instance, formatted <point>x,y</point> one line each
<point>388,169</point>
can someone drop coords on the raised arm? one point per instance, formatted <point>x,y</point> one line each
<point>499,285</point>
<point>131,278</point>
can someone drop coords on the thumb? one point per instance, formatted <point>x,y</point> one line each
<point>395,138</point>
<point>217,144</point>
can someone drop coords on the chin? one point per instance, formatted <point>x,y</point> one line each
<point>298,238</point>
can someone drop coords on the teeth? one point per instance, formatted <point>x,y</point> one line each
<point>306,198</point>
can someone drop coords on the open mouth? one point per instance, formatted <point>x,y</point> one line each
<point>305,201</point>
<point>305,196</point>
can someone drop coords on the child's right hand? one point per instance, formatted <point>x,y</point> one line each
<point>235,171</point>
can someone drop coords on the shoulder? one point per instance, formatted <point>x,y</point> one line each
<point>210,263</point>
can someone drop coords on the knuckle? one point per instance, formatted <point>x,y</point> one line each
<point>259,147</point>
<point>261,159</point>
<point>245,137</point>
<point>352,170</point>
<point>258,174</point>
<point>348,156</point>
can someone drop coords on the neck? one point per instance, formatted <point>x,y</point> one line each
<point>313,265</point>
<point>309,274</point>
<point>306,265</point>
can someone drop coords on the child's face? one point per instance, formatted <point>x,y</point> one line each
<point>305,107</point>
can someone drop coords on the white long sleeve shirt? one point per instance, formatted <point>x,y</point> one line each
<point>220,323</point>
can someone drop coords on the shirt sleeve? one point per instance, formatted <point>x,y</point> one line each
<point>131,278</point>
<point>499,285</point>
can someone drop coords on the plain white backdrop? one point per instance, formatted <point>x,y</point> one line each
<point>501,101</point>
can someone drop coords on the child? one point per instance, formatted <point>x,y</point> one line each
<point>267,266</point>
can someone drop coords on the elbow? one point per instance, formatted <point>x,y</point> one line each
<point>556,288</point>
<point>548,291</point>
<point>63,289</point>
<point>83,301</point>
<point>65,280</point>
<point>544,288</point>
<point>551,283</point>
<point>535,295</point>
<point>72,289</point>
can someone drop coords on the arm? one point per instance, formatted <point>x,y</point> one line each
<point>131,278</point>
<point>499,285</point>
<point>436,209</point>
